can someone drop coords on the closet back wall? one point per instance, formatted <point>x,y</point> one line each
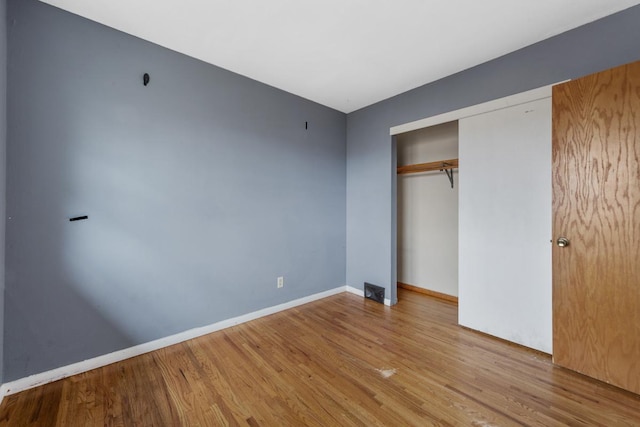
<point>200,189</point>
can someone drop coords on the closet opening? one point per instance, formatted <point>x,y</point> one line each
<point>427,210</point>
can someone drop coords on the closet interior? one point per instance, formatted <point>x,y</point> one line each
<point>428,210</point>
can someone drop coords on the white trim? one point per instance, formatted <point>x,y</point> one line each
<point>355,291</point>
<point>474,110</point>
<point>360,292</point>
<point>4,391</point>
<point>97,362</point>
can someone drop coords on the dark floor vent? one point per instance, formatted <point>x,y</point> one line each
<point>374,292</point>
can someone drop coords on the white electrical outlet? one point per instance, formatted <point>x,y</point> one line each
<point>280,282</point>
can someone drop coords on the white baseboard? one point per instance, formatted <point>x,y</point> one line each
<point>117,356</point>
<point>4,391</point>
<point>360,292</point>
<point>355,291</point>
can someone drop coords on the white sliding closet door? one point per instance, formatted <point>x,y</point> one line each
<point>505,224</point>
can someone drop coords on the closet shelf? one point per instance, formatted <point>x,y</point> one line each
<point>428,167</point>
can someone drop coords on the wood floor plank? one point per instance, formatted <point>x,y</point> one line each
<point>341,361</point>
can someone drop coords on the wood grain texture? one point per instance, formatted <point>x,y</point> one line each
<point>596,205</point>
<point>428,167</point>
<point>429,292</point>
<point>341,361</point>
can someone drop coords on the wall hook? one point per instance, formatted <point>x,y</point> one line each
<point>145,79</point>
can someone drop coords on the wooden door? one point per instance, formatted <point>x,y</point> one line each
<point>596,206</point>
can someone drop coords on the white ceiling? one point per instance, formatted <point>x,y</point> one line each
<point>345,54</point>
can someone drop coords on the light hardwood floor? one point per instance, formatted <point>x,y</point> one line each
<point>339,361</point>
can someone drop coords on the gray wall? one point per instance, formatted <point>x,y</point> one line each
<point>200,188</point>
<point>371,177</point>
<point>3,147</point>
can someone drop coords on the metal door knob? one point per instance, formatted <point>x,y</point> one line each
<point>562,242</point>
